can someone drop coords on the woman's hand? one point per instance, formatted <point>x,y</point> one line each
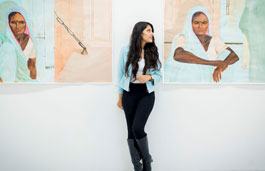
<point>144,78</point>
<point>222,65</point>
<point>217,74</point>
<point>119,104</point>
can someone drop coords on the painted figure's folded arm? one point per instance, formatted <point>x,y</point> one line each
<point>232,57</point>
<point>181,55</point>
<point>184,56</point>
<point>32,68</point>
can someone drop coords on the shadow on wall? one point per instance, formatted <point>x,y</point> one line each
<point>24,88</point>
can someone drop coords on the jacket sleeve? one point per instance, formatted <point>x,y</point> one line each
<point>157,75</point>
<point>121,67</point>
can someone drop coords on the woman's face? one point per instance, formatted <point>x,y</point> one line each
<point>200,24</point>
<point>147,35</point>
<point>17,24</point>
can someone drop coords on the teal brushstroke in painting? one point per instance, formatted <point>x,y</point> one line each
<point>252,24</point>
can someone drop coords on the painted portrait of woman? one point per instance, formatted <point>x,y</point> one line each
<point>196,56</point>
<point>17,52</point>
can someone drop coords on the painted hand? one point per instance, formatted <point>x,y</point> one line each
<point>217,74</point>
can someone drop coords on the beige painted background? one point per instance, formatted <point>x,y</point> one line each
<point>91,22</point>
<point>176,12</point>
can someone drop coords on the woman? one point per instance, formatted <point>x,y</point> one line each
<point>195,55</point>
<point>139,72</point>
<point>18,55</point>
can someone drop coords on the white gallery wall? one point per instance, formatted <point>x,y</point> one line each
<point>65,127</point>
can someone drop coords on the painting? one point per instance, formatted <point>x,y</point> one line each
<point>208,41</point>
<point>56,41</point>
<point>26,41</point>
<point>83,41</point>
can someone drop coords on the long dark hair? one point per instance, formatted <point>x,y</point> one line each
<point>151,55</point>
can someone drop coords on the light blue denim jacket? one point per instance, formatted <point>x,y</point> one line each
<point>124,82</point>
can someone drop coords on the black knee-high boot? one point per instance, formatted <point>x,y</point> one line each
<point>135,155</point>
<point>144,150</point>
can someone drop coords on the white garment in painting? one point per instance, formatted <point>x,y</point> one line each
<point>29,51</point>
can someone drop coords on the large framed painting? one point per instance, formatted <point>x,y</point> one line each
<point>55,41</point>
<point>214,41</point>
<point>83,41</point>
<point>26,41</point>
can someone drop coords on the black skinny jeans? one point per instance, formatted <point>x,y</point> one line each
<point>137,105</point>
